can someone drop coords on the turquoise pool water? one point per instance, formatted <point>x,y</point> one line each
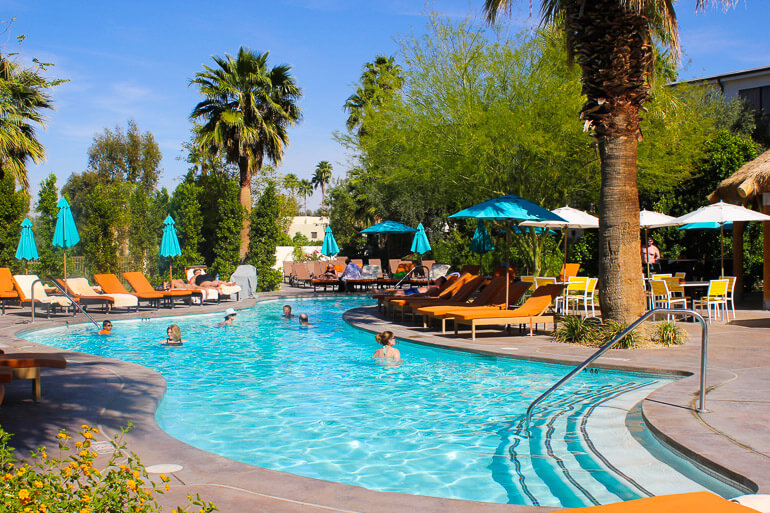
<point>313,402</point>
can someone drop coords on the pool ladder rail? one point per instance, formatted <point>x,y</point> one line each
<point>64,292</point>
<point>609,345</point>
<point>411,271</point>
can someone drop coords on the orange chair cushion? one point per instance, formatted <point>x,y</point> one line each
<point>695,502</point>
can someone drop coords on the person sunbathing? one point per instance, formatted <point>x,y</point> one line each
<point>205,280</point>
<point>426,290</point>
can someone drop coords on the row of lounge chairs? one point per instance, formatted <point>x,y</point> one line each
<point>113,295</point>
<point>452,303</point>
<point>311,274</point>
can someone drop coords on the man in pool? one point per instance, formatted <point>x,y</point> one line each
<point>304,320</point>
<point>230,314</point>
<point>106,328</point>
<point>287,311</point>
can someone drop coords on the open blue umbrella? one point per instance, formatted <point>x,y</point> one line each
<point>508,208</point>
<point>66,233</point>
<point>481,242</point>
<point>169,244</point>
<point>420,244</point>
<point>388,227</point>
<point>329,246</point>
<point>27,250</point>
<point>706,226</point>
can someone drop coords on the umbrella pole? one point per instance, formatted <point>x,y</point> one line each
<point>722,247</point>
<point>564,234</point>
<point>647,254</point>
<point>65,264</point>
<point>507,265</point>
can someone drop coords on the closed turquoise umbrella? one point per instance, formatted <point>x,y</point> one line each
<point>169,244</point>
<point>27,250</point>
<point>329,246</point>
<point>481,242</point>
<point>66,233</point>
<point>420,244</point>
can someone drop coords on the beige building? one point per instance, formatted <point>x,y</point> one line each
<point>312,227</point>
<point>752,85</point>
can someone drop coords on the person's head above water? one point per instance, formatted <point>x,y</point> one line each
<point>303,319</point>
<point>106,328</point>
<point>174,333</point>
<point>230,313</point>
<point>287,310</point>
<point>385,338</point>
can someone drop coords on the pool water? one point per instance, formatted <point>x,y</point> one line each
<point>312,401</point>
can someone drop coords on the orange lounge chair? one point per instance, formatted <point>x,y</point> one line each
<point>141,285</point>
<point>459,298</point>
<point>111,285</point>
<point>25,284</point>
<point>84,300</point>
<point>7,290</point>
<point>568,270</point>
<point>693,502</point>
<point>433,292</point>
<point>81,290</point>
<point>446,293</point>
<point>27,366</point>
<point>531,312</point>
<point>491,298</point>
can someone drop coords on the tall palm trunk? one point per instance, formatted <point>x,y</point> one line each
<point>620,263</point>
<point>245,199</point>
<point>323,198</point>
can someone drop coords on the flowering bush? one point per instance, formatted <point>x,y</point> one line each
<point>74,484</point>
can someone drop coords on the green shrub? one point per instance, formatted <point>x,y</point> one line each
<point>75,484</point>
<point>573,329</point>
<point>611,329</point>
<point>667,333</point>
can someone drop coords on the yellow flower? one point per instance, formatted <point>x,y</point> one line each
<point>43,455</point>
<point>8,476</point>
<point>21,471</point>
<point>62,435</point>
<point>88,435</point>
<point>84,426</point>
<point>43,508</point>
<point>83,453</point>
<point>85,499</point>
<point>122,467</point>
<point>131,484</point>
<point>164,478</point>
<point>95,431</point>
<point>24,496</point>
<point>73,464</point>
<point>166,486</point>
<point>136,474</point>
<point>38,484</point>
<point>78,444</point>
<point>84,510</point>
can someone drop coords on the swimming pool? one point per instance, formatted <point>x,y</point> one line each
<point>312,402</point>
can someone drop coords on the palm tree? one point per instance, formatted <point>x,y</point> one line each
<point>22,97</point>
<point>245,115</point>
<point>323,173</point>
<point>305,188</point>
<point>379,80</point>
<point>290,182</point>
<point>613,43</point>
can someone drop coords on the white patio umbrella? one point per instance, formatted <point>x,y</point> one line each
<point>573,218</point>
<point>651,219</point>
<point>722,213</point>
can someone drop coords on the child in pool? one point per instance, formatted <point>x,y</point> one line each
<point>174,336</point>
<point>106,328</point>
<point>388,340</point>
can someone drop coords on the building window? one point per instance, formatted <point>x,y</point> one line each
<point>313,235</point>
<point>757,97</point>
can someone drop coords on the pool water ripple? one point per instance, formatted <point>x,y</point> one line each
<point>312,401</point>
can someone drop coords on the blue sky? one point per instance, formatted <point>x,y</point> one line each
<point>134,60</point>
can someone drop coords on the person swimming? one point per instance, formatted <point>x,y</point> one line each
<point>304,320</point>
<point>230,315</point>
<point>106,328</point>
<point>287,311</point>
<point>173,336</point>
<point>388,341</point>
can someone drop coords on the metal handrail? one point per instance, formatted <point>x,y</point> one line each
<point>412,270</point>
<point>606,347</point>
<point>56,284</point>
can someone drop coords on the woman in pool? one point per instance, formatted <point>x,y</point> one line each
<point>388,341</point>
<point>174,336</point>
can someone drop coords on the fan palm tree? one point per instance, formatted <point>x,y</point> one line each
<point>305,188</point>
<point>246,114</point>
<point>379,80</point>
<point>290,182</point>
<point>613,43</point>
<point>22,98</point>
<point>323,173</point>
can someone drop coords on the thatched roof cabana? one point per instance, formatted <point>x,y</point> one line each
<point>750,181</point>
<point>746,186</point>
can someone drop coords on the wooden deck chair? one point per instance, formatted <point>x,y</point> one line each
<point>459,298</point>
<point>23,284</point>
<point>491,298</point>
<point>80,289</point>
<point>111,285</point>
<point>27,366</point>
<point>287,271</point>
<point>7,290</point>
<point>140,284</point>
<point>302,275</point>
<point>531,312</point>
<point>470,268</point>
<point>375,261</point>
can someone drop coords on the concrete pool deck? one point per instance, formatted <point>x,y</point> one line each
<point>732,436</point>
